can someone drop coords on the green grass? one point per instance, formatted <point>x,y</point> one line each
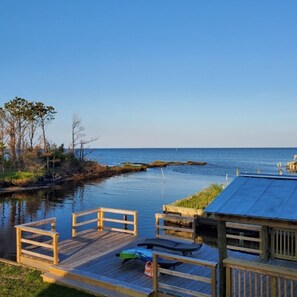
<point>200,199</point>
<point>18,281</point>
<point>20,177</point>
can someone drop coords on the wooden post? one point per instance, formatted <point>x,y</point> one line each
<point>228,282</point>
<point>214,281</point>
<point>264,243</point>
<point>194,229</point>
<point>73,225</point>
<point>222,246</point>
<point>273,286</point>
<point>18,244</point>
<point>56,248</point>
<point>155,275</point>
<point>53,225</point>
<point>101,221</point>
<point>136,223</point>
<point>157,221</point>
<point>125,218</point>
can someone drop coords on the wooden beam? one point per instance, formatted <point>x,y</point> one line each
<point>255,221</point>
<point>222,246</point>
<point>265,244</point>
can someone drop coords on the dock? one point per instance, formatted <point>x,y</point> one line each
<point>88,261</point>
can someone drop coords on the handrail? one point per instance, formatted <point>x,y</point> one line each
<point>157,284</point>
<point>101,219</point>
<point>36,232</point>
<point>167,232</point>
<point>244,278</point>
<point>241,238</point>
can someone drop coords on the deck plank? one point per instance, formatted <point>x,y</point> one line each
<point>94,254</point>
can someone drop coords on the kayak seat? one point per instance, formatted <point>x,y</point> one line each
<point>184,248</point>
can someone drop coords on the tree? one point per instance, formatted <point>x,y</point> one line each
<point>2,139</point>
<point>77,132</point>
<point>16,113</point>
<point>44,115</point>
<point>77,137</point>
<point>32,123</point>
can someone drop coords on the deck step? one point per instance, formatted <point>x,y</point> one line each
<point>79,285</point>
<point>92,283</point>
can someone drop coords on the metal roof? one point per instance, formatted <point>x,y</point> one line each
<point>258,196</point>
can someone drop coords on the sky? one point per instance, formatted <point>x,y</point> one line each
<point>166,73</point>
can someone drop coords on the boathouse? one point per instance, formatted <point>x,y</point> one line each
<point>270,203</point>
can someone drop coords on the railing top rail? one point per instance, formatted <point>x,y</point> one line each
<point>85,212</point>
<point>105,209</point>
<point>261,268</point>
<point>184,259</point>
<point>37,231</point>
<point>118,211</point>
<point>172,216</point>
<point>37,223</point>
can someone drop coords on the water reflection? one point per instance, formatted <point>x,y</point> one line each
<point>144,192</point>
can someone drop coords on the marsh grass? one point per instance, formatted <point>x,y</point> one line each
<point>18,281</point>
<point>200,199</point>
<point>19,178</point>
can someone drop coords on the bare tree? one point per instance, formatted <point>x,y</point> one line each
<point>77,132</point>
<point>78,137</point>
<point>83,143</point>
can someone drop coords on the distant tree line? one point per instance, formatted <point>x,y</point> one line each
<point>22,129</point>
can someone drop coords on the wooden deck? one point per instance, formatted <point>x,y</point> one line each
<point>89,262</point>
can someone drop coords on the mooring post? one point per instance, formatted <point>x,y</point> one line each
<point>222,245</point>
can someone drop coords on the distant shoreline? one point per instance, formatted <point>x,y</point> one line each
<point>105,172</point>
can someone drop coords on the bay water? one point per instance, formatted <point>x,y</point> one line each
<point>145,192</point>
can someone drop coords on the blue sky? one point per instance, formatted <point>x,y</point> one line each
<point>156,73</point>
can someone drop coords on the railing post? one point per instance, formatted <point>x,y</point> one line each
<point>214,281</point>
<point>73,225</point>
<point>18,244</point>
<point>56,248</point>
<point>155,275</point>
<point>222,246</point>
<point>53,225</point>
<point>101,221</point>
<point>125,218</point>
<point>273,286</point>
<point>136,223</point>
<point>157,231</point>
<point>228,281</point>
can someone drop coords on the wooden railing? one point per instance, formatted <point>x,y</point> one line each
<point>210,281</point>
<point>284,244</point>
<point>245,243</point>
<point>249,279</point>
<point>180,227</point>
<point>32,236</point>
<point>101,216</point>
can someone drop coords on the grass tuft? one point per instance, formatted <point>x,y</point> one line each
<point>18,281</point>
<point>200,199</point>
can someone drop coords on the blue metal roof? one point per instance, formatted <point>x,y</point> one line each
<point>258,196</point>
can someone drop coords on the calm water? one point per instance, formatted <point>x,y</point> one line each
<point>145,192</point>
